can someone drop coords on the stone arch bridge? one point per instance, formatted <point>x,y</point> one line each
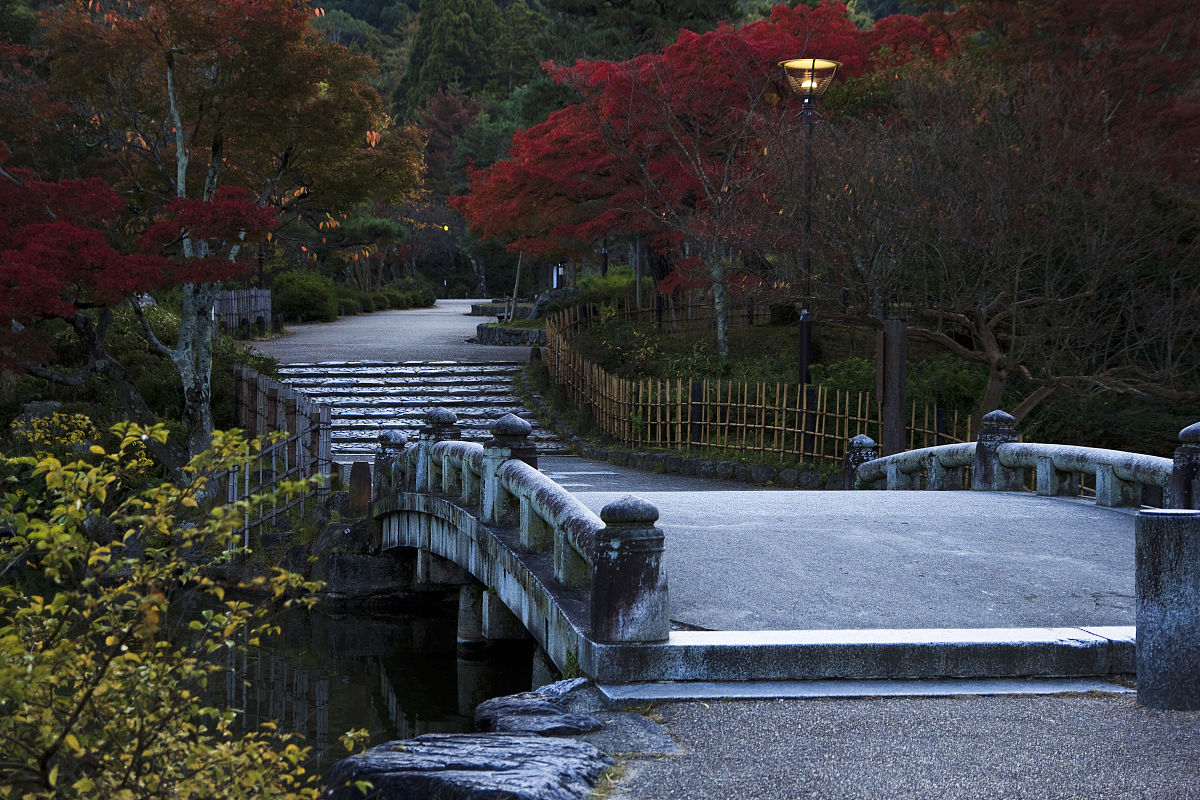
<point>592,589</point>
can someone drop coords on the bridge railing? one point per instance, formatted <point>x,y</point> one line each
<point>999,461</point>
<point>616,557</point>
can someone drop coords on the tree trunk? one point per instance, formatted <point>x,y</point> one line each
<point>717,271</point>
<point>193,361</point>
<point>994,392</point>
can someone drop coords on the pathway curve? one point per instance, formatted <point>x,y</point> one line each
<point>418,334</point>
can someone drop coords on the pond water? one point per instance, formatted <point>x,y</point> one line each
<point>397,676</point>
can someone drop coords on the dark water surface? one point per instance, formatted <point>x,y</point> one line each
<point>397,676</point>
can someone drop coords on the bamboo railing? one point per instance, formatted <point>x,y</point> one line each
<point>772,420</point>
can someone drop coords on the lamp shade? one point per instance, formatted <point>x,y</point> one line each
<point>809,77</point>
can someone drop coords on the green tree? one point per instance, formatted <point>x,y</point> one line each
<point>453,48</point>
<point>100,696</point>
<point>17,22</point>
<point>516,54</point>
<point>591,29</point>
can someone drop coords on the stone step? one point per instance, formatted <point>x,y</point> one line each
<point>407,394</point>
<point>395,370</point>
<point>361,385</point>
<point>368,397</point>
<point>382,406</point>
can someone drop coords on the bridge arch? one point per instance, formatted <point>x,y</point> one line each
<point>577,582</point>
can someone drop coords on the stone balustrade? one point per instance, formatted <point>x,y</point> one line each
<point>941,466</point>
<point>617,557</point>
<point>999,461</point>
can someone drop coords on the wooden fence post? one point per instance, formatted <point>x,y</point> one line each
<point>260,406</point>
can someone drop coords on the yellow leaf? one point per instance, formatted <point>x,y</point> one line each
<point>71,741</point>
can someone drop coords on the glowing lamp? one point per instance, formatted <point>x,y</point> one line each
<point>809,77</point>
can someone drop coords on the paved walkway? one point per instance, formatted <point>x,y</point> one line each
<point>754,560</point>
<point>418,334</point>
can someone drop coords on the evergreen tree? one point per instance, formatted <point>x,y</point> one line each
<point>605,29</point>
<point>515,53</point>
<point>454,48</point>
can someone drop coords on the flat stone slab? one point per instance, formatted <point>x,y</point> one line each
<point>812,560</point>
<point>480,766</point>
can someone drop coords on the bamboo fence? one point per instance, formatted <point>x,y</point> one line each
<point>777,420</point>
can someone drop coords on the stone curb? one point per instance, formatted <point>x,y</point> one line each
<point>673,463</point>
<point>628,695</point>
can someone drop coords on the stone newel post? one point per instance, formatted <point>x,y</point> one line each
<point>439,426</point>
<point>1184,488</point>
<point>629,579</point>
<point>388,463</point>
<point>510,439</point>
<point>861,450</point>
<point>987,473</point>
<point>1168,609</point>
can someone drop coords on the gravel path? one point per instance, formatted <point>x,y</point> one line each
<point>419,334</point>
<point>1021,748</point>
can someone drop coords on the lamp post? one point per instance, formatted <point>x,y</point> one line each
<point>809,78</point>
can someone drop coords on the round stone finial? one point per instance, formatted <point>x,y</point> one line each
<point>1190,434</point>
<point>862,442</point>
<point>392,440</point>
<point>510,425</point>
<point>998,419</point>
<point>629,510</point>
<point>440,416</point>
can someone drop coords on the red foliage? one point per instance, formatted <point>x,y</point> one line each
<point>230,216</point>
<point>57,250</point>
<point>690,131</point>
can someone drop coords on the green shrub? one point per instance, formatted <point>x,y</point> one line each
<point>849,375</point>
<point>596,289</point>
<point>382,301</point>
<point>103,697</point>
<point>395,297</point>
<point>421,293</point>
<point>367,301</point>
<point>304,295</point>
<point>348,307</point>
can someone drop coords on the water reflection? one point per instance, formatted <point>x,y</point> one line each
<point>398,677</point>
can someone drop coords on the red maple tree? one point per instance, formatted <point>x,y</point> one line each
<point>688,144</point>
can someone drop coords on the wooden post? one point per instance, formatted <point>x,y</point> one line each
<point>895,355</point>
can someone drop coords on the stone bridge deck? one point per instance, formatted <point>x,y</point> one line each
<point>816,560</point>
<point>802,585</point>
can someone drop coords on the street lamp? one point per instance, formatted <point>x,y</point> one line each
<point>809,78</point>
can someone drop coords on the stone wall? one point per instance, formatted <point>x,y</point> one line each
<point>511,337</point>
<point>497,307</point>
